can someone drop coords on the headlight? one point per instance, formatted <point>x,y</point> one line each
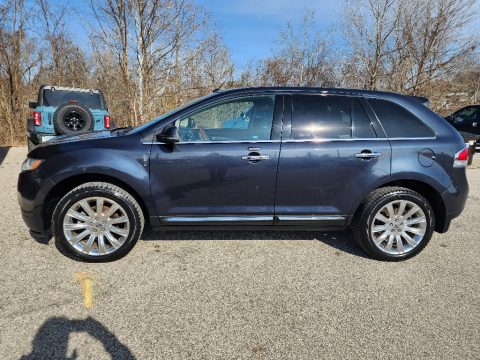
<point>31,164</point>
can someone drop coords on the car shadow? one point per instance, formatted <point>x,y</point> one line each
<point>340,240</point>
<point>3,153</point>
<point>51,340</point>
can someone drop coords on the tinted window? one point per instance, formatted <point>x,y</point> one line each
<point>329,117</point>
<point>59,97</point>
<point>362,127</point>
<point>466,115</point>
<point>236,120</point>
<point>398,122</point>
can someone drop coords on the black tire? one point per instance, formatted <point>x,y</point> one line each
<point>105,190</point>
<point>30,144</point>
<point>364,218</point>
<point>63,123</point>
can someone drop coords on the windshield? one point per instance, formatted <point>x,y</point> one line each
<point>55,98</point>
<point>140,128</point>
<point>466,114</point>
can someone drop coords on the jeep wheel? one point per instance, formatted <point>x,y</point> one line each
<point>394,224</point>
<point>97,222</point>
<point>72,119</point>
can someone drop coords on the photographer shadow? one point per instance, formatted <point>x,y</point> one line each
<point>51,339</point>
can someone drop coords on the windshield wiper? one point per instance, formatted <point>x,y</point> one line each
<point>121,129</point>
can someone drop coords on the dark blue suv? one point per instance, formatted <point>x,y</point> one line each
<point>266,158</point>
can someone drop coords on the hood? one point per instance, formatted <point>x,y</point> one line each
<point>79,137</point>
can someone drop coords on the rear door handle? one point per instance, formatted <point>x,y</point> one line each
<point>255,157</point>
<point>368,155</point>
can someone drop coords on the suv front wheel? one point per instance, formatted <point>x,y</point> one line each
<point>97,221</point>
<point>393,223</point>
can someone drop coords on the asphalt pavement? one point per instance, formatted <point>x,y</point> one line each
<point>238,294</point>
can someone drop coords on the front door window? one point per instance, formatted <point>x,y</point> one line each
<point>236,120</point>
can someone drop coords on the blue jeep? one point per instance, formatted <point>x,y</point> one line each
<point>62,110</point>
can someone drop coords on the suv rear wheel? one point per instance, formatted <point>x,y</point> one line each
<point>97,221</point>
<point>394,223</point>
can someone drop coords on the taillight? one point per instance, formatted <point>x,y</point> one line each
<point>106,121</point>
<point>461,158</point>
<point>37,118</point>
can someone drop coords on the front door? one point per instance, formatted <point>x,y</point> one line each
<point>330,156</point>
<point>223,169</point>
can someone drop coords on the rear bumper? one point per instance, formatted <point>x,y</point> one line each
<point>38,138</point>
<point>454,198</point>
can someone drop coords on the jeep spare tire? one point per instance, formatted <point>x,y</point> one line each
<point>72,118</point>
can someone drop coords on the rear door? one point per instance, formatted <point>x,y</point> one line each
<point>331,153</point>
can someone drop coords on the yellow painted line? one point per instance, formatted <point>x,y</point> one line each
<point>86,282</point>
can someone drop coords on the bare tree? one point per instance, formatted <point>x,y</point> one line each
<point>369,27</point>
<point>302,57</point>
<point>64,63</point>
<point>433,33</point>
<point>18,65</point>
<point>404,46</point>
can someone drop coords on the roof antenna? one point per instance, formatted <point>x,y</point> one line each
<point>220,87</point>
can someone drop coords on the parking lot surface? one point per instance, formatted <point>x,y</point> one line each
<point>224,295</point>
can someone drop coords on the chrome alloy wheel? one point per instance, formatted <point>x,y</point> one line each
<point>398,227</point>
<point>96,226</point>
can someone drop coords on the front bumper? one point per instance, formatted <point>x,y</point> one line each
<point>32,191</point>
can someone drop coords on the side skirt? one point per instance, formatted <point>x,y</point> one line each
<point>247,222</point>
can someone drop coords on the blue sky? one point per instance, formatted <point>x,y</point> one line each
<point>250,27</point>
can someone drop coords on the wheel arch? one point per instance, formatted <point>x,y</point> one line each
<point>63,187</point>
<point>423,188</point>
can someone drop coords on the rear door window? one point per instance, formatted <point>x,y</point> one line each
<point>329,117</point>
<point>398,122</point>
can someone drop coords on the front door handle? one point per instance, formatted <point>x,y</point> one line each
<point>255,157</point>
<point>368,155</point>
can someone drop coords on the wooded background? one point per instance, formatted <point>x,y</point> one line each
<point>149,56</point>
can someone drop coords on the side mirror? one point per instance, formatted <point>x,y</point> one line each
<point>32,104</point>
<point>169,135</point>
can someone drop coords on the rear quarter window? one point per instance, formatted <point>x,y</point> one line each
<point>398,122</point>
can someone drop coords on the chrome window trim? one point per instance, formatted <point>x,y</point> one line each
<point>216,142</point>
<point>290,141</point>
<point>355,139</point>
<point>414,138</point>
